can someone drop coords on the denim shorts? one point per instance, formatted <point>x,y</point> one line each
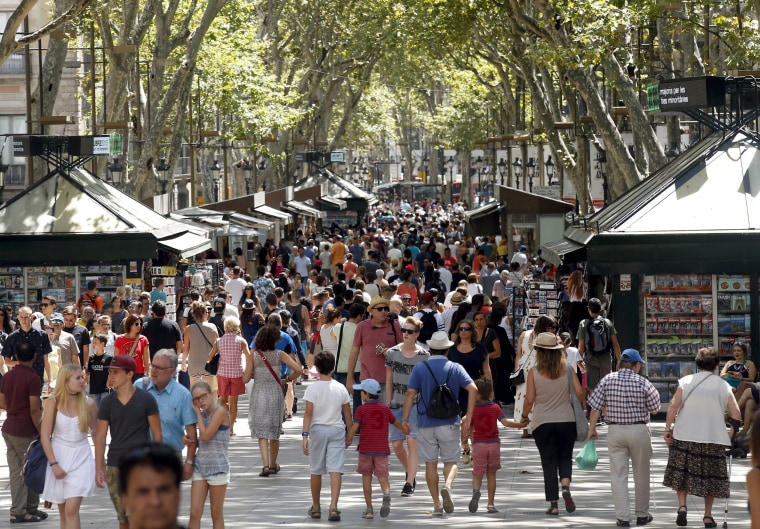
<point>395,433</point>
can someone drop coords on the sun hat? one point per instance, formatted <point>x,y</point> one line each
<point>377,300</point>
<point>370,385</point>
<point>547,340</point>
<point>457,298</point>
<point>248,304</point>
<point>439,340</point>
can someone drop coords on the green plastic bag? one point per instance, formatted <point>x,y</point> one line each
<point>587,458</point>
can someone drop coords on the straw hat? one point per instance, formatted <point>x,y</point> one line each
<point>547,340</point>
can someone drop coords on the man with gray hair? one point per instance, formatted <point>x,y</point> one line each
<point>175,406</point>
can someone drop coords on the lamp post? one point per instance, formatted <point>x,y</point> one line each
<point>549,165</point>
<point>478,165</point>
<point>247,173</point>
<point>450,164</point>
<point>215,173</point>
<point>531,166</point>
<point>116,169</point>
<point>503,167</point>
<point>517,166</point>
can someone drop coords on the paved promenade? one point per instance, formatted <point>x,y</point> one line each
<point>253,501</point>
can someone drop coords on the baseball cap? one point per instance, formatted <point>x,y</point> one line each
<point>426,298</point>
<point>125,362</point>
<point>631,355</point>
<point>523,248</point>
<point>56,317</point>
<point>370,385</point>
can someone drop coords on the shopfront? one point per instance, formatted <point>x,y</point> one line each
<point>71,228</point>
<point>681,250</point>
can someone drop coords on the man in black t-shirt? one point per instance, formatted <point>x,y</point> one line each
<point>161,332</point>
<point>80,333</point>
<point>131,415</point>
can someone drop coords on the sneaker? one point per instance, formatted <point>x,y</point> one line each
<point>437,511</point>
<point>474,501</point>
<point>385,509</point>
<point>623,523</point>
<point>643,520</point>
<point>466,457</point>
<point>408,490</point>
<point>448,505</point>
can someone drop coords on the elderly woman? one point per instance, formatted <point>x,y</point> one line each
<point>553,421</point>
<point>698,439</point>
<point>267,401</point>
<point>231,377</point>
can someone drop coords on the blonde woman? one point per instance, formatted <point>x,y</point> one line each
<point>68,418</point>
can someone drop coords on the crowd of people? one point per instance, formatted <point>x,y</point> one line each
<point>374,321</point>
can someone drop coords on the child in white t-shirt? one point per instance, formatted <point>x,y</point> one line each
<point>574,359</point>
<point>324,433</point>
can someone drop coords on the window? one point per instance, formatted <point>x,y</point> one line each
<point>15,63</point>
<point>16,175</point>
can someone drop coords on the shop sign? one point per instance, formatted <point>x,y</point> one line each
<point>625,282</point>
<point>692,93</point>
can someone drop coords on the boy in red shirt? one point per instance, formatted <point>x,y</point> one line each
<point>486,448</point>
<point>374,418</point>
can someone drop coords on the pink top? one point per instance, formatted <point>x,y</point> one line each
<point>230,355</point>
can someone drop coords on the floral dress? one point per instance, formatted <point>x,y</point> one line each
<point>527,362</point>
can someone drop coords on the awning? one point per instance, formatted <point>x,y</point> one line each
<point>522,202</point>
<point>564,251</point>
<point>274,213</point>
<point>233,228</point>
<point>186,245</point>
<point>294,206</point>
<point>333,204</point>
<point>66,249</point>
<point>483,220</point>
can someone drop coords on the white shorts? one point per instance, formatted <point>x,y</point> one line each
<point>439,441</point>
<point>214,480</point>
<point>327,449</point>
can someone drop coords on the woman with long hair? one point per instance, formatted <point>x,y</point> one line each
<point>6,323</point>
<point>267,401</point>
<point>472,355</point>
<point>503,362</point>
<point>69,417</point>
<point>249,320</point>
<point>248,293</point>
<point>739,370</point>
<point>211,474</point>
<point>525,358</point>
<point>134,344</point>
<point>199,338</point>
<point>553,419</point>
<point>326,334</point>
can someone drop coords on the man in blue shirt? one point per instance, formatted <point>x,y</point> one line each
<point>175,406</point>
<point>439,437</point>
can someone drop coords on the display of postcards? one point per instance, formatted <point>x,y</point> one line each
<point>552,294</point>
<point>662,282</point>
<point>646,288</point>
<point>674,325</point>
<point>663,325</point>
<point>733,283</point>
<point>57,293</point>
<point>654,370</point>
<point>695,280</point>
<point>687,326</point>
<point>662,389</point>
<point>723,302</point>
<point>707,304</point>
<point>706,281</point>
<point>651,325</point>
<point>740,323</point>
<point>707,325</point>
<point>532,294</point>
<point>670,369</point>
<point>724,323</point>
<point>552,304</point>
<point>11,270</point>
<point>695,304</point>
<point>688,368</point>
<point>651,303</point>
<point>739,302</point>
<point>681,280</point>
<point>651,348</point>
<point>674,346</point>
<point>663,303</point>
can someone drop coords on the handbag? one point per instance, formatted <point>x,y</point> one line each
<point>184,378</point>
<point>581,422</point>
<point>35,467</point>
<point>517,377</point>
<point>212,366</point>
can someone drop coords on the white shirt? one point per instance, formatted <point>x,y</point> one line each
<point>235,287</point>
<point>573,356</point>
<point>328,398</point>
<point>395,253</point>
<point>301,265</point>
<point>446,277</point>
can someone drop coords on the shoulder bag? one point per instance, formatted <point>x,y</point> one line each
<point>581,422</point>
<point>212,366</point>
<point>281,382</point>
<point>36,464</point>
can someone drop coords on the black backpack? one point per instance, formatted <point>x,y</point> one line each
<point>429,325</point>
<point>598,336</point>
<point>443,403</point>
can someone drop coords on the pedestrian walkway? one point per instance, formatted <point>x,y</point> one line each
<point>254,501</point>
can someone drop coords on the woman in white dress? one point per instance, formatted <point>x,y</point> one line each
<point>526,359</point>
<point>68,418</point>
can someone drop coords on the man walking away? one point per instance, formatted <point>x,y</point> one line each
<point>597,340</point>
<point>629,399</point>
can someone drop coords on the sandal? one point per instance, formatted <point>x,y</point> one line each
<point>368,514</point>
<point>553,510</point>
<point>711,523</point>
<point>265,471</point>
<point>274,470</point>
<point>334,515</point>
<point>569,503</point>
<point>314,513</point>
<point>23,519</point>
<point>492,509</point>
<point>681,517</point>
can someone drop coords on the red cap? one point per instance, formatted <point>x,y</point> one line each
<point>427,298</point>
<point>125,362</point>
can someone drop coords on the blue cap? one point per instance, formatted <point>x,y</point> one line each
<point>370,385</point>
<point>631,355</point>
<point>523,248</point>
<point>56,317</point>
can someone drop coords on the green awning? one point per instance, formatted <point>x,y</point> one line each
<point>65,249</point>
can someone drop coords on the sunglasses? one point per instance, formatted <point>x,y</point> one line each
<point>44,304</point>
<point>408,331</point>
<point>469,329</point>
<point>137,324</point>
<point>382,309</point>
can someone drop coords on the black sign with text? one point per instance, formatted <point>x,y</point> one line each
<point>692,93</point>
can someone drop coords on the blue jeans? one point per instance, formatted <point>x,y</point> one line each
<point>342,378</point>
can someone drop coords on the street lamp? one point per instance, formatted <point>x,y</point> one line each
<point>450,164</point>
<point>517,165</point>
<point>247,174</point>
<point>215,175</point>
<point>531,172</point>
<point>116,168</point>
<point>503,167</point>
<point>549,165</point>
<point>478,165</point>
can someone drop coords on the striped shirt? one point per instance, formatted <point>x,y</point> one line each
<point>230,352</point>
<point>628,397</point>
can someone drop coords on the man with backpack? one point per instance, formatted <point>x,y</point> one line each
<point>597,340</point>
<point>438,381</point>
<point>432,320</point>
